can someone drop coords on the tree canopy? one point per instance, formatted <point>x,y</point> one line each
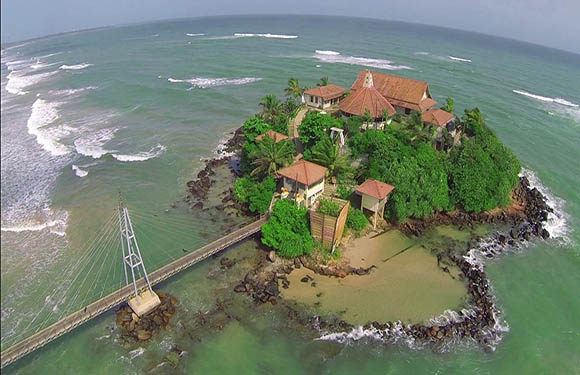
<point>287,230</point>
<point>314,127</point>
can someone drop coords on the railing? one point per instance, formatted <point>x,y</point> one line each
<point>79,317</point>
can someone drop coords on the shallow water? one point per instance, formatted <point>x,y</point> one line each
<point>147,136</point>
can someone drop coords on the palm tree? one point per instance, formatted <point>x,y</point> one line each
<point>418,130</point>
<point>270,106</point>
<point>446,139</point>
<point>449,105</point>
<point>326,153</point>
<point>271,156</point>
<point>323,81</point>
<point>293,88</point>
<point>386,116</point>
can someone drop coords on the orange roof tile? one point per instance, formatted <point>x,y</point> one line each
<point>374,188</point>
<point>275,136</point>
<point>437,117</point>
<point>366,98</point>
<point>327,92</point>
<point>399,91</point>
<point>304,172</point>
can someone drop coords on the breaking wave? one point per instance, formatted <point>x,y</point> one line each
<point>461,59</point>
<point>336,57</point>
<point>54,222</point>
<point>75,67</point>
<point>18,82</point>
<point>557,224</point>
<point>546,99</point>
<point>201,82</point>
<point>79,172</point>
<point>141,156</point>
<point>267,35</point>
<point>197,34</point>
<point>92,144</point>
<point>43,114</point>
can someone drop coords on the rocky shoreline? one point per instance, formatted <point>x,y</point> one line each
<point>525,219</point>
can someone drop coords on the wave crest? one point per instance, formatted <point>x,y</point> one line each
<point>203,82</point>
<point>336,57</point>
<point>43,114</point>
<point>75,67</point>
<point>267,35</point>
<point>141,156</point>
<point>460,59</point>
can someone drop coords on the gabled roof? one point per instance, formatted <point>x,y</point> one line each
<point>275,136</point>
<point>437,117</point>
<point>374,188</point>
<point>399,91</point>
<point>304,172</point>
<point>327,92</point>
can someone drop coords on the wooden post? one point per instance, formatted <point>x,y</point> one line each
<point>375,221</point>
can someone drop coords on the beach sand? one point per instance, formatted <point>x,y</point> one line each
<point>407,284</point>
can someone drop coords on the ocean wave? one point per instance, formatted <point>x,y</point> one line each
<point>194,34</point>
<point>43,114</point>
<point>92,144</point>
<point>75,67</point>
<point>547,99</point>
<point>41,65</point>
<point>460,59</point>
<point>18,82</point>
<point>69,92</point>
<point>327,52</point>
<point>422,53</point>
<point>267,35</point>
<point>353,60</point>
<point>202,82</point>
<point>141,156</point>
<point>54,221</point>
<point>557,224</point>
<point>79,172</point>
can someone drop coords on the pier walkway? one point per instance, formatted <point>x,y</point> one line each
<point>104,304</point>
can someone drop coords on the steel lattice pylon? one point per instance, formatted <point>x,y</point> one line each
<point>132,260</point>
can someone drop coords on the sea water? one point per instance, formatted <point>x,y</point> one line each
<point>137,109</point>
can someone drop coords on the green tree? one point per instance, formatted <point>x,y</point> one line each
<point>356,220</point>
<point>314,127</point>
<point>352,125</point>
<point>287,230</point>
<point>253,127</point>
<point>367,116</point>
<point>271,106</point>
<point>261,194</point>
<point>293,89</point>
<point>242,188</point>
<point>449,105</point>
<point>323,82</point>
<point>271,156</point>
<point>327,153</point>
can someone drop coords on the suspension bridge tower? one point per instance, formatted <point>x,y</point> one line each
<point>145,300</point>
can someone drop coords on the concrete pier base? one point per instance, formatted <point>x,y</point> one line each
<point>144,303</point>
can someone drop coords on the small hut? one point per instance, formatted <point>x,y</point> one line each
<point>374,197</point>
<point>324,96</point>
<point>305,180</point>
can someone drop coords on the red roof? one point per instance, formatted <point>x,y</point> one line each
<point>366,98</point>
<point>437,117</point>
<point>304,172</point>
<point>275,136</point>
<point>374,188</point>
<point>327,92</point>
<point>399,91</point>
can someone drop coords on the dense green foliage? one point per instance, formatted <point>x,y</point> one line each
<point>352,125</point>
<point>253,127</point>
<point>328,207</point>
<point>346,184</point>
<point>271,156</point>
<point>356,220</point>
<point>327,153</point>
<point>287,230</point>
<point>314,127</point>
<point>257,195</point>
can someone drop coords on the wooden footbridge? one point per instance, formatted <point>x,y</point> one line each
<point>123,294</point>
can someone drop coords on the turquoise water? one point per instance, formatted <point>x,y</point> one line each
<point>137,108</point>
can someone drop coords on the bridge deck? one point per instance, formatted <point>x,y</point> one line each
<point>77,318</point>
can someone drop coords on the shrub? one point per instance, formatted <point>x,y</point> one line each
<point>261,195</point>
<point>287,230</point>
<point>356,220</point>
<point>253,127</point>
<point>328,207</point>
<point>315,126</point>
<point>242,189</point>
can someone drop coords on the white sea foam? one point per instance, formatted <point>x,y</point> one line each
<point>353,60</point>
<point>202,82</point>
<point>93,144</point>
<point>194,34</point>
<point>19,81</point>
<point>422,53</point>
<point>43,114</point>
<point>461,59</point>
<point>267,35</point>
<point>141,156</point>
<point>326,52</point>
<point>53,221</point>
<point>75,67</point>
<point>70,92</point>
<point>79,172</point>
<point>136,353</point>
<point>557,224</point>
<point>547,99</point>
<point>41,65</point>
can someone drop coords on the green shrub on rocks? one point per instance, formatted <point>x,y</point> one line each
<point>287,230</point>
<point>328,207</point>
<point>257,195</point>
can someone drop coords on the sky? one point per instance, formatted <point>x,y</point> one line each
<point>552,23</point>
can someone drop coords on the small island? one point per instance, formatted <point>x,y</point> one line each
<point>377,203</point>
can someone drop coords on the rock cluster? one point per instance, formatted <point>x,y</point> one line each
<point>142,329</point>
<point>263,287</point>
